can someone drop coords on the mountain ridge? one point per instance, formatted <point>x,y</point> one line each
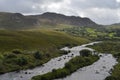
<point>19,21</point>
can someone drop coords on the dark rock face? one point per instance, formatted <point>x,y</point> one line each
<point>19,21</point>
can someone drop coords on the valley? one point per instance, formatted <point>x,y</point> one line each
<point>29,43</point>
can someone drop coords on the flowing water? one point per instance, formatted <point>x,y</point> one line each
<point>97,71</point>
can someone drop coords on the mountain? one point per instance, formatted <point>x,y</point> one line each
<point>116,24</point>
<point>55,18</point>
<point>15,21</point>
<point>19,21</point>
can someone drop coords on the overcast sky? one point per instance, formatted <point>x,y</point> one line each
<point>100,11</point>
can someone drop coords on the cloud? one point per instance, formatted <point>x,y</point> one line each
<point>100,11</point>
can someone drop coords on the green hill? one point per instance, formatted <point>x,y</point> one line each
<point>27,49</point>
<point>30,40</point>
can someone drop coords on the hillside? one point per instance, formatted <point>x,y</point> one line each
<point>24,49</point>
<point>54,19</point>
<point>15,21</point>
<point>32,40</point>
<point>19,21</point>
<point>114,26</point>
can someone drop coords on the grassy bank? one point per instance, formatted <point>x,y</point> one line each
<point>115,75</point>
<point>19,49</point>
<point>70,67</point>
<point>107,47</point>
<point>112,47</point>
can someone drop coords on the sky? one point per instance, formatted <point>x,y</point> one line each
<point>101,11</point>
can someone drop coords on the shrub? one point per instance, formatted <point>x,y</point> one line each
<point>10,55</point>
<point>68,65</point>
<point>1,56</point>
<point>111,78</point>
<point>17,51</point>
<point>38,55</point>
<point>22,61</point>
<point>45,77</point>
<point>64,52</point>
<point>67,44</point>
<point>61,73</point>
<point>117,55</point>
<point>85,53</point>
<point>54,70</point>
<point>1,64</point>
<point>47,55</point>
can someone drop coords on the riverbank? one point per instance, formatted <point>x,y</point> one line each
<point>113,48</point>
<point>19,60</point>
<point>54,63</point>
<point>70,67</point>
<point>115,73</point>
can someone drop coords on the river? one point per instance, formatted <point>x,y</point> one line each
<point>97,71</point>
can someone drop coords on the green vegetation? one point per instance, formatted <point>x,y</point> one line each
<point>38,55</point>
<point>27,49</point>
<point>98,33</point>
<point>116,71</point>
<point>70,67</point>
<point>45,35</point>
<point>113,48</point>
<point>34,40</point>
<point>85,52</point>
<point>17,21</point>
<point>107,47</point>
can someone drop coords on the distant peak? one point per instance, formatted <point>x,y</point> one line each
<point>52,13</point>
<point>18,15</point>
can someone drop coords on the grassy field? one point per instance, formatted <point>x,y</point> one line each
<point>32,40</point>
<point>18,49</point>
<point>111,47</point>
<point>92,33</point>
